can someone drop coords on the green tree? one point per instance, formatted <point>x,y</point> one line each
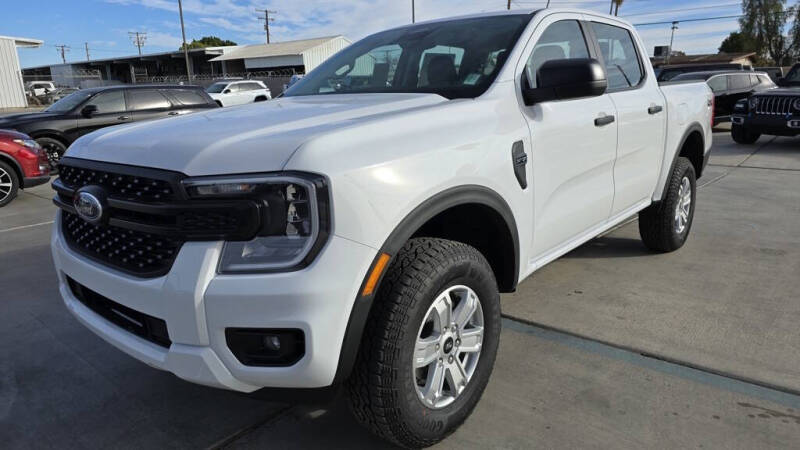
<point>764,21</point>
<point>737,42</point>
<point>208,41</point>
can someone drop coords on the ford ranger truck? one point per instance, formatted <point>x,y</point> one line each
<point>358,230</point>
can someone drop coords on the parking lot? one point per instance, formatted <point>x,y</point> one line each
<point>611,346</point>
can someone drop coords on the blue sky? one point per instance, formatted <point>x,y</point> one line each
<point>104,24</point>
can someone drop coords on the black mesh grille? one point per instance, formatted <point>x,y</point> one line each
<point>140,253</point>
<point>126,187</point>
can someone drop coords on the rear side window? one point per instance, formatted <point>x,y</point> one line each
<point>623,66</point>
<point>718,84</point>
<point>187,97</point>
<point>147,99</point>
<point>561,40</point>
<point>109,102</point>
<point>739,82</point>
<point>235,87</point>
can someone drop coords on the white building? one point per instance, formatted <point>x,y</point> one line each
<point>12,89</point>
<point>302,55</point>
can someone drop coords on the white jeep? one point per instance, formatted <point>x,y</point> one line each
<point>359,230</point>
<point>239,92</point>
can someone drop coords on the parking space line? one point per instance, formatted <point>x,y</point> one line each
<point>22,227</point>
<point>706,375</point>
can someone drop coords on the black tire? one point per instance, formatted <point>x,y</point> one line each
<point>657,223</point>
<point>742,135</point>
<point>55,150</point>
<point>9,184</point>
<point>383,385</point>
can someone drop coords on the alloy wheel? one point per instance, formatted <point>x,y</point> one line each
<point>6,184</point>
<point>683,208</point>
<point>448,346</point>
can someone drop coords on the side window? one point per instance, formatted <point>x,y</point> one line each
<point>109,102</point>
<point>254,86</point>
<point>188,97</point>
<point>739,82</point>
<point>234,88</point>
<point>147,99</point>
<point>561,40</point>
<point>623,66</point>
<point>754,80</point>
<point>718,83</point>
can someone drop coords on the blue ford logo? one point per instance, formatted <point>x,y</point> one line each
<point>88,206</point>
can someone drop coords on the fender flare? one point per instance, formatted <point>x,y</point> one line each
<point>693,127</point>
<point>460,195</point>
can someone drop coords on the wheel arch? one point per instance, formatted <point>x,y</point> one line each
<point>14,166</point>
<point>52,134</point>
<point>692,146</point>
<point>425,221</point>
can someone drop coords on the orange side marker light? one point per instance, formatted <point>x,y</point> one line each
<point>375,275</point>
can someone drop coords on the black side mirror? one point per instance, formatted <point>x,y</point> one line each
<point>564,79</point>
<point>226,91</point>
<point>89,110</point>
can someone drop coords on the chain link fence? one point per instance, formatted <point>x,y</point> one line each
<point>276,80</point>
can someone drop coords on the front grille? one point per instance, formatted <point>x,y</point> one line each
<point>143,254</point>
<point>123,186</point>
<point>775,105</point>
<point>145,326</point>
<point>147,216</point>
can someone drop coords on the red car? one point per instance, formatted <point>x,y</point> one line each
<point>23,164</point>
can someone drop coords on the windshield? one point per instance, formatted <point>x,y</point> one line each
<point>216,88</point>
<point>69,102</point>
<point>455,59</point>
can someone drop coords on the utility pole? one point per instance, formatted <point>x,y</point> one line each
<point>671,41</point>
<point>86,44</point>
<point>185,47</point>
<point>611,8</point>
<point>413,12</point>
<point>267,19</point>
<point>508,5</point>
<point>62,49</point>
<point>138,39</point>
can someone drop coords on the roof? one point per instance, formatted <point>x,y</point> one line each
<point>204,50</point>
<point>24,42</point>
<point>288,48</point>
<point>706,74</point>
<point>715,58</point>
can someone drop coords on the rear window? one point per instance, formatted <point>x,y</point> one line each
<point>187,97</point>
<point>737,82</point>
<point>147,99</point>
<point>718,83</point>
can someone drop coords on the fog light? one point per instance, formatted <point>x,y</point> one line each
<point>266,346</point>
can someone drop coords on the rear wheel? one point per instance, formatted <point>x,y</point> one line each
<point>54,149</point>
<point>429,344</point>
<point>664,225</point>
<point>9,184</point>
<point>742,135</point>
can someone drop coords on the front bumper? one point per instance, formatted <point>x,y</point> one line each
<point>770,125</point>
<point>198,305</point>
<point>30,182</point>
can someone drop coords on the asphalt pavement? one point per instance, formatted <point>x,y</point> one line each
<point>609,347</point>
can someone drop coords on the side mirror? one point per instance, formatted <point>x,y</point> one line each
<point>565,79</point>
<point>226,91</point>
<point>89,110</point>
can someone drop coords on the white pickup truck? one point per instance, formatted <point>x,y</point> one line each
<point>358,230</point>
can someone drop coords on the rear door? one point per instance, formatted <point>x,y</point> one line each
<point>147,104</point>
<point>572,151</point>
<point>641,115</point>
<point>187,100</point>
<point>111,110</point>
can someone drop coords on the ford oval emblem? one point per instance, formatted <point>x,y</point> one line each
<point>88,207</point>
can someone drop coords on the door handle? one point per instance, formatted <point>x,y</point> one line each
<point>173,113</point>
<point>603,121</point>
<point>655,109</point>
<point>123,118</point>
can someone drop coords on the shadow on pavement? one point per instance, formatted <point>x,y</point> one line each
<point>610,247</point>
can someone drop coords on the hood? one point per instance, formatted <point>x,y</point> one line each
<point>13,119</point>
<point>258,137</point>
<point>780,91</point>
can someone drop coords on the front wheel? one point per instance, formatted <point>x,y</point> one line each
<point>429,344</point>
<point>664,225</point>
<point>9,184</point>
<point>742,135</point>
<point>54,149</point>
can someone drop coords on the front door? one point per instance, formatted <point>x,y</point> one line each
<point>111,110</point>
<point>572,152</point>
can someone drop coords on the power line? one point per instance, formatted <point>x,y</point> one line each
<point>267,19</point>
<point>63,49</point>
<point>138,38</point>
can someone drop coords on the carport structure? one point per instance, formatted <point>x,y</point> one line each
<point>12,90</point>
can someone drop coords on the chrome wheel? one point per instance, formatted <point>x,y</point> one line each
<point>448,346</point>
<point>6,184</point>
<point>684,206</point>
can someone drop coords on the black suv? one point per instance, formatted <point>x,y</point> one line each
<point>775,112</point>
<point>729,87</point>
<point>87,110</point>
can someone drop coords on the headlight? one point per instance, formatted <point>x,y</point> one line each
<point>30,143</point>
<point>295,219</point>
<point>796,104</point>
<point>753,102</point>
